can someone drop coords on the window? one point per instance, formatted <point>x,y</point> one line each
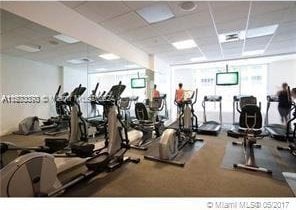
<point>107,80</point>
<point>252,81</point>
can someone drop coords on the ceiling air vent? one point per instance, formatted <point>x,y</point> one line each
<point>80,61</point>
<point>85,60</point>
<point>231,37</point>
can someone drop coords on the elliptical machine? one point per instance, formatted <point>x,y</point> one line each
<point>125,104</point>
<point>52,126</point>
<point>39,173</point>
<point>174,140</point>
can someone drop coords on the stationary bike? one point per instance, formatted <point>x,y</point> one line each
<point>250,129</point>
<point>174,140</point>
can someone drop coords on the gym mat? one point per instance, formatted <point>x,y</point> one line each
<point>264,158</point>
<point>291,180</point>
<point>183,157</point>
<point>286,160</point>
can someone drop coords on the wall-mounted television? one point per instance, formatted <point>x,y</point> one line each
<point>138,82</point>
<point>227,78</point>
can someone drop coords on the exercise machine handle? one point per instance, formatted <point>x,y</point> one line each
<point>195,96</point>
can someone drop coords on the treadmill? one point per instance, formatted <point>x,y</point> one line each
<point>211,127</point>
<point>276,131</point>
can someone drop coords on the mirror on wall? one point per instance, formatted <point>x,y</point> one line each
<point>35,60</point>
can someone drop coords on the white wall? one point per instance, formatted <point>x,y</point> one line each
<point>71,79</point>
<point>279,72</point>
<point>26,77</point>
<point>163,80</point>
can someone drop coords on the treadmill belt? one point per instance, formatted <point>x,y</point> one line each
<point>209,129</point>
<point>278,133</point>
<point>264,158</point>
<point>287,161</point>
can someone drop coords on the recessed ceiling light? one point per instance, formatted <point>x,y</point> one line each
<point>187,5</point>
<point>29,48</point>
<point>156,13</point>
<point>197,59</point>
<point>132,66</point>
<point>109,56</point>
<point>80,61</point>
<point>65,38</point>
<point>253,52</point>
<point>186,44</point>
<point>231,37</point>
<point>261,31</point>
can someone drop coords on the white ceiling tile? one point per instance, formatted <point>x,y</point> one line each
<point>197,19</point>
<point>283,37</point>
<point>287,28</point>
<point>254,47</point>
<point>235,51</point>
<point>140,33</point>
<point>203,32</point>
<point>259,41</point>
<point>233,26</point>
<point>99,11</point>
<point>251,47</point>
<point>73,4</point>
<point>207,41</point>
<point>179,36</point>
<point>262,7</point>
<point>182,23</point>
<point>266,19</point>
<point>283,45</point>
<point>135,5</point>
<point>159,49</point>
<point>232,45</point>
<point>214,54</point>
<point>125,22</point>
<point>290,15</point>
<point>174,53</point>
<point>169,26</point>
<point>222,14</point>
<point>151,42</point>
<point>224,5</point>
<point>211,47</point>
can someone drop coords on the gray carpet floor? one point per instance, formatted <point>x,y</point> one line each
<point>202,175</point>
